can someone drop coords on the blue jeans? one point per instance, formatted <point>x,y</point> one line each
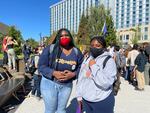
<point>5,58</point>
<point>36,87</point>
<point>55,95</point>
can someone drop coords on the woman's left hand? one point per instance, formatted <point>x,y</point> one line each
<point>92,62</point>
<point>67,75</point>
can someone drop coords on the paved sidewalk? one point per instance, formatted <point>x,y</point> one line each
<point>128,100</point>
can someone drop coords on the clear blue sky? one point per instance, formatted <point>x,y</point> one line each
<point>31,17</point>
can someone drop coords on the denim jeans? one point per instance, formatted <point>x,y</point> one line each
<point>5,58</point>
<point>11,58</point>
<point>55,95</point>
<point>36,87</point>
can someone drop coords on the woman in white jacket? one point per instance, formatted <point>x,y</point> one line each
<point>95,83</point>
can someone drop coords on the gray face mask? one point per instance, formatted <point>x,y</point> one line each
<point>95,52</point>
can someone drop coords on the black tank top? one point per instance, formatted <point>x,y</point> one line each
<point>10,46</point>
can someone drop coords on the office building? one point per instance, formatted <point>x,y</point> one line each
<point>67,13</point>
<point>131,14</point>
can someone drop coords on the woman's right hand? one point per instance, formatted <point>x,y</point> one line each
<point>58,75</point>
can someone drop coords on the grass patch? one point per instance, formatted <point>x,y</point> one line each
<point>1,55</point>
<point>19,56</point>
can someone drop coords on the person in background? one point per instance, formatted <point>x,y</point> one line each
<point>85,52</point>
<point>41,49</point>
<point>95,83</point>
<point>140,62</point>
<point>26,52</point>
<point>131,58</point>
<point>36,76</point>
<point>111,49</point>
<point>4,49</point>
<point>146,47</point>
<point>58,69</point>
<point>11,53</point>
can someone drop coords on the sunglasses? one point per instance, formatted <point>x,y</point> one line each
<point>64,35</point>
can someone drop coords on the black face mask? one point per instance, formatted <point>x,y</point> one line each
<point>95,52</point>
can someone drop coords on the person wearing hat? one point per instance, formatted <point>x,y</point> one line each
<point>58,69</point>
<point>95,83</point>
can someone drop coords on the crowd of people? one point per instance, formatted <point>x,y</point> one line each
<point>133,63</point>
<point>61,62</point>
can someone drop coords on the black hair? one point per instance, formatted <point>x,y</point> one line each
<point>58,35</point>
<point>135,46</point>
<point>57,50</point>
<point>100,39</point>
<point>117,48</point>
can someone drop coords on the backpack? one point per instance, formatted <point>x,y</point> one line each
<point>30,68</point>
<point>117,82</point>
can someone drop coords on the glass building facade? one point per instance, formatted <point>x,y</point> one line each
<point>129,13</point>
<point>132,14</point>
<point>67,13</point>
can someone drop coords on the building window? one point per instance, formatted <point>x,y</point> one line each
<point>140,15</point>
<point>140,3</point>
<point>127,22</point>
<point>133,24</point>
<point>147,10</point>
<point>134,8</point>
<point>127,37</point>
<point>147,14</point>
<point>140,20</point>
<point>133,21</point>
<point>128,18</point>
<point>147,19</point>
<point>146,23</point>
<point>121,37</point>
<point>146,29</point>
<point>145,37</point>
<point>134,4</point>
<point>147,5</point>
<point>140,7</point>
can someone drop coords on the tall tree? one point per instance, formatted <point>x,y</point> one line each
<point>83,32</point>
<point>98,16</point>
<point>96,20</point>
<point>111,35</point>
<point>136,35</point>
<point>32,43</point>
<point>16,34</point>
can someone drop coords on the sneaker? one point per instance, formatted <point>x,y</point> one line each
<point>38,98</point>
<point>136,88</point>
